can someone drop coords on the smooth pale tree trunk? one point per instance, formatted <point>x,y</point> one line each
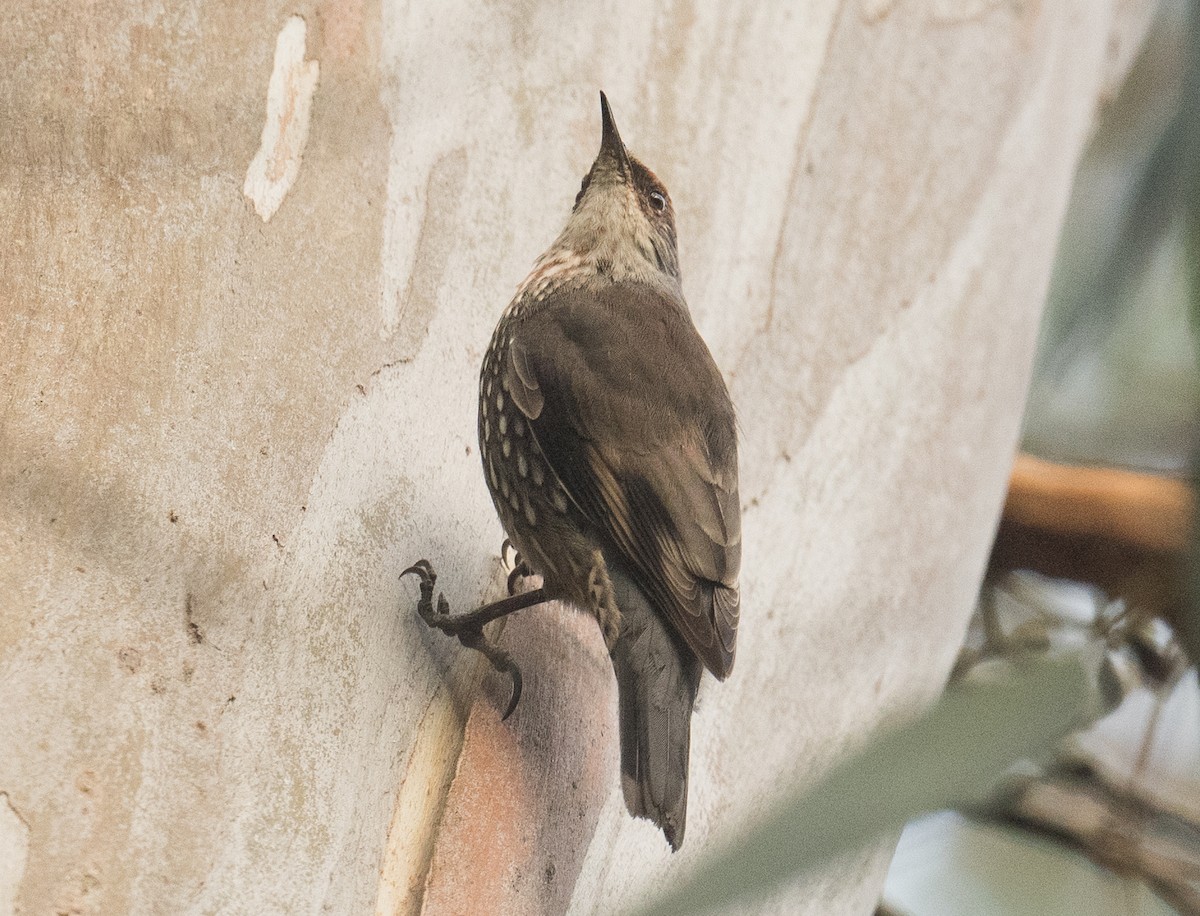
<point>251,256</point>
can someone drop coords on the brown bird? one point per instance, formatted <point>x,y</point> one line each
<point>609,445</point>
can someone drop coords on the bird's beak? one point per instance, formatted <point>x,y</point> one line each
<point>612,150</point>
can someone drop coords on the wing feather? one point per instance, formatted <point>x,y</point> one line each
<point>631,413</point>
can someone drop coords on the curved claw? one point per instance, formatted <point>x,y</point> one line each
<point>424,571</point>
<point>499,659</point>
<point>422,568</point>
<point>520,571</point>
<point>518,568</point>
<point>515,673</point>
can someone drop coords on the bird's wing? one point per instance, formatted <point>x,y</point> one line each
<point>633,416</point>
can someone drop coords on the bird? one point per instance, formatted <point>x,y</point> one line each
<point>609,445</point>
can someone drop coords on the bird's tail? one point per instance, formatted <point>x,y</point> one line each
<point>657,679</point>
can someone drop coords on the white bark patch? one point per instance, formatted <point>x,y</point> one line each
<point>285,133</point>
<point>14,852</point>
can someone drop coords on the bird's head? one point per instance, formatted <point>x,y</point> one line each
<point>622,221</point>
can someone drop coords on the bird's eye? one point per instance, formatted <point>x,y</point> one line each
<point>658,202</point>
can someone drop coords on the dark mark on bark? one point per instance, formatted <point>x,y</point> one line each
<point>195,634</point>
<point>391,365</point>
<point>130,659</point>
<point>7,800</point>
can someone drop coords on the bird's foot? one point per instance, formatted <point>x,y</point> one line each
<point>467,627</point>
<point>519,569</point>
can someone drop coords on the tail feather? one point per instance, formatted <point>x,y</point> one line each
<point>657,680</point>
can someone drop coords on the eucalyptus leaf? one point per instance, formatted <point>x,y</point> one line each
<point>949,757</point>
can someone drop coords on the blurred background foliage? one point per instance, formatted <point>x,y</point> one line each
<point>1079,664</point>
<point>1113,824</point>
<point>1116,378</point>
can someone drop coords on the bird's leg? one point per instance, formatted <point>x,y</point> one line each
<point>520,569</point>
<point>469,627</point>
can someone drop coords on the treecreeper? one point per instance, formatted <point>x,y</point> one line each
<point>609,445</point>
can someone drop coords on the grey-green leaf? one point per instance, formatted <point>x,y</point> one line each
<point>951,756</point>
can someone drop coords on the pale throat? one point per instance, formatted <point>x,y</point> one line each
<point>606,237</point>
